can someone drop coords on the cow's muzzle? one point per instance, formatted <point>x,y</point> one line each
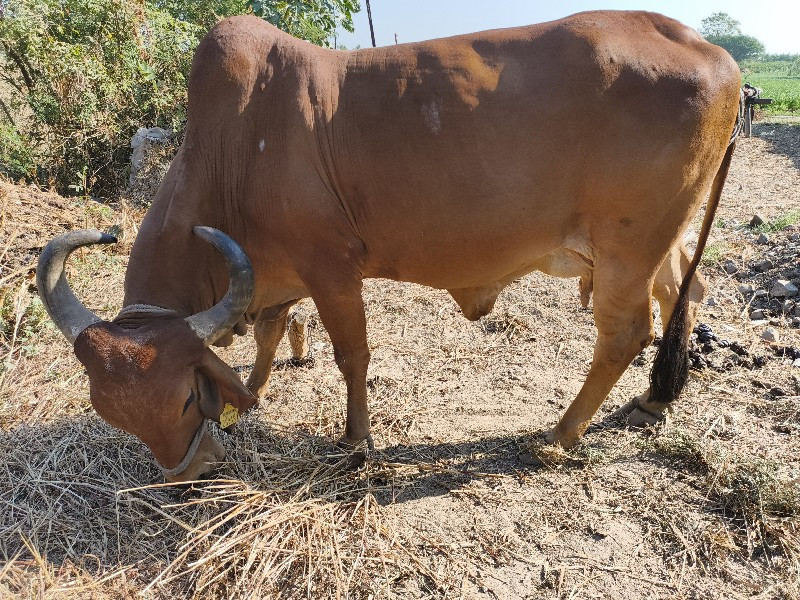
<point>203,456</point>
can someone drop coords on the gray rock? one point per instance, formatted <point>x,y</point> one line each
<point>796,363</point>
<point>745,289</point>
<point>730,267</point>
<point>756,220</point>
<point>770,335</point>
<point>760,293</point>
<point>758,315</point>
<point>763,238</point>
<point>797,310</point>
<point>784,288</point>
<point>710,301</point>
<point>763,265</point>
<point>787,307</point>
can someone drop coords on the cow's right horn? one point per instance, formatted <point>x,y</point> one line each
<point>64,308</point>
<point>212,324</point>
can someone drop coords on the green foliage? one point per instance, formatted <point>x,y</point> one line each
<point>784,91</point>
<point>738,46</point>
<point>313,20</point>
<point>83,75</point>
<point>719,24</point>
<point>79,77</point>
<point>725,31</point>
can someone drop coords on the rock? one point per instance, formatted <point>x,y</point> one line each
<point>796,322</point>
<point>756,220</point>
<point>784,288</point>
<point>796,363</point>
<point>797,310</point>
<point>776,392</point>
<point>760,293</point>
<point>710,301</point>
<point>770,335</point>
<point>758,315</point>
<point>787,307</point>
<point>762,239</point>
<point>745,289</point>
<point>140,143</point>
<point>763,265</point>
<point>730,267</point>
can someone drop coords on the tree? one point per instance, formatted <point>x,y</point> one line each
<point>78,77</point>
<point>725,31</point>
<point>738,46</point>
<point>718,24</point>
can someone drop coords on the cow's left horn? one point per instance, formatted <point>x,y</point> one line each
<point>64,308</point>
<point>212,324</point>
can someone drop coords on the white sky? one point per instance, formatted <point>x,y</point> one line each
<point>775,23</point>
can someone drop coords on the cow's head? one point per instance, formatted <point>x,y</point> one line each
<point>156,377</point>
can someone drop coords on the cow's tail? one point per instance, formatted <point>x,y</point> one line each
<point>671,365</point>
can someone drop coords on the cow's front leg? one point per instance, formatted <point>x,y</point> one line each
<point>267,331</point>
<point>341,310</point>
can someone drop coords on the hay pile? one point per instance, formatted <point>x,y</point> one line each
<point>294,523</point>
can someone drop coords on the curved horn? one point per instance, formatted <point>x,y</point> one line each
<point>212,324</point>
<point>64,308</point>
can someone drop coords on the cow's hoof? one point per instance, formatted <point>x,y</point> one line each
<point>352,454</point>
<point>639,418</point>
<point>544,450</point>
<point>640,413</point>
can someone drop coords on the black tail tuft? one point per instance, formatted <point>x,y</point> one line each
<point>671,365</point>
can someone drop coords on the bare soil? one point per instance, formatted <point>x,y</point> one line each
<point>705,505</point>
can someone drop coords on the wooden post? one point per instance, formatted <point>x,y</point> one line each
<point>748,120</point>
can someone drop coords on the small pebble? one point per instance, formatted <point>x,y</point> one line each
<point>756,220</point>
<point>760,293</point>
<point>776,392</point>
<point>770,335</point>
<point>745,289</point>
<point>763,265</point>
<point>787,306</point>
<point>796,363</point>
<point>710,301</point>
<point>763,238</point>
<point>784,288</point>
<point>730,267</point>
<point>758,315</point>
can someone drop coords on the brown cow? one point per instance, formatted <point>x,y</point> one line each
<point>581,147</point>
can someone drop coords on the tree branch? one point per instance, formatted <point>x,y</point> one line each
<point>17,60</point>
<point>8,113</point>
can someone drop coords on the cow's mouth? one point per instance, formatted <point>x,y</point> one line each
<point>203,455</point>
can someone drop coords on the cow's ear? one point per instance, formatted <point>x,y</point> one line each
<point>223,396</point>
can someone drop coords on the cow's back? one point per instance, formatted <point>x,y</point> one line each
<point>513,140</point>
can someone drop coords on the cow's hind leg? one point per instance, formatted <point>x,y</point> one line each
<point>640,411</point>
<point>267,331</point>
<point>624,326</point>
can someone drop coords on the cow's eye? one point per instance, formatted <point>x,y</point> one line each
<point>189,400</point>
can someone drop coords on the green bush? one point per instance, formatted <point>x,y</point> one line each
<point>79,77</point>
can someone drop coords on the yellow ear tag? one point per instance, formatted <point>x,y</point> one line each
<point>228,416</point>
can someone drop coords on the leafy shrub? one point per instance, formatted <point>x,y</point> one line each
<point>79,77</point>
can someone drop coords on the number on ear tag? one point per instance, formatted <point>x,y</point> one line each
<point>228,416</point>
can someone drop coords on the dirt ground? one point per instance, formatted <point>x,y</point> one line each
<point>704,506</point>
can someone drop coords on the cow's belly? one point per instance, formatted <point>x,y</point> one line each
<point>453,258</point>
